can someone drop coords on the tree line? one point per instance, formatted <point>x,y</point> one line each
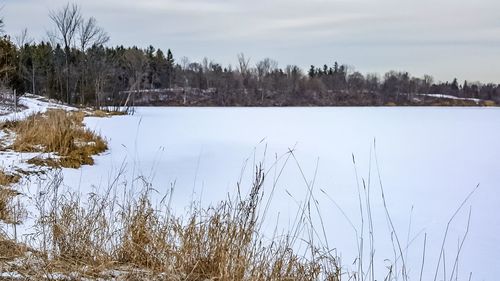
<point>74,65</point>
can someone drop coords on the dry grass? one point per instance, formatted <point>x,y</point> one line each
<point>44,162</point>
<point>488,103</point>
<point>453,102</point>
<point>10,249</point>
<point>94,237</point>
<point>106,238</point>
<point>106,233</point>
<point>57,131</point>
<point>105,113</point>
<point>8,212</point>
<point>8,179</point>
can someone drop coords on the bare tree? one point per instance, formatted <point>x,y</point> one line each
<point>99,69</point>
<point>265,67</point>
<point>185,62</point>
<point>243,64</point>
<point>23,38</point>
<point>356,83</point>
<point>244,68</point>
<point>136,64</point>
<point>91,34</point>
<point>67,21</point>
<point>294,74</point>
<point>2,24</point>
<point>27,70</point>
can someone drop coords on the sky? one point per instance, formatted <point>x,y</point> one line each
<point>443,38</point>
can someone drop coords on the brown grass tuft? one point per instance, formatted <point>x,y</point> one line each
<point>7,210</point>
<point>105,113</point>
<point>59,132</point>
<point>10,212</point>
<point>215,243</point>
<point>10,250</point>
<point>8,179</point>
<point>488,103</point>
<point>46,162</point>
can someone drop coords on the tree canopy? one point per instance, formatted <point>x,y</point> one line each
<point>76,66</point>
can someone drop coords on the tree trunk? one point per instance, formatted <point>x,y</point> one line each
<point>67,77</point>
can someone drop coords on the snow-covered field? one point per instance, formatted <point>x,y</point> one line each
<point>429,160</point>
<point>29,104</point>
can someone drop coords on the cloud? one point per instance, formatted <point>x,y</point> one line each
<point>296,31</point>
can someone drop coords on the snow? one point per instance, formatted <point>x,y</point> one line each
<point>33,104</point>
<point>429,160</point>
<point>450,97</point>
<point>11,160</point>
<point>13,275</point>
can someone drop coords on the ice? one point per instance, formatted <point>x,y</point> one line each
<point>429,160</point>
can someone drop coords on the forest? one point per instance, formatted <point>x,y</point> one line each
<point>75,65</point>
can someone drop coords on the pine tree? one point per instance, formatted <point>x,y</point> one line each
<point>454,85</point>
<point>312,71</point>
<point>9,74</point>
<point>170,68</point>
<point>465,89</point>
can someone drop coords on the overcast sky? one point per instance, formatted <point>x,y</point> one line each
<point>443,38</point>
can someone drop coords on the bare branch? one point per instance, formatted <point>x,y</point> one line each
<point>67,21</point>
<point>2,24</point>
<point>91,34</point>
<point>243,63</point>
<point>23,38</point>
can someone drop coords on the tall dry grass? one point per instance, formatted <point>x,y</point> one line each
<point>7,194</point>
<point>101,234</point>
<point>121,233</point>
<point>106,112</point>
<point>7,179</point>
<point>60,132</point>
<point>6,209</point>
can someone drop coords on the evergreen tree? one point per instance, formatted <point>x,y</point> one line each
<point>312,72</point>
<point>454,85</point>
<point>170,68</point>
<point>465,89</point>
<point>9,65</point>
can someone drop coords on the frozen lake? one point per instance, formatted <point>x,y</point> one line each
<point>429,159</point>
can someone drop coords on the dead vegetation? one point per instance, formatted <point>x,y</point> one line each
<point>10,250</point>
<point>5,200</point>
<point>121,233</point>
<point>7,210</point>
<point>102,237</point>
<point>105,113</point>
<point>60,132</point>
<point>10,212</point>
<point>128,237</point>
<point>7,179</point>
